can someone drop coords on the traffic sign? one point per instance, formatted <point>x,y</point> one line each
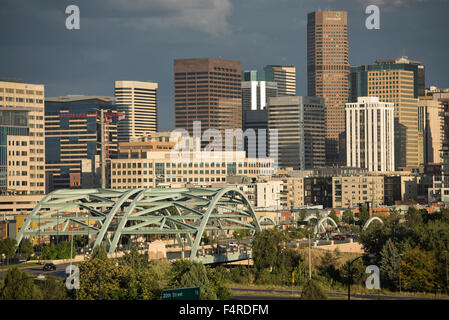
<point>192,293</point>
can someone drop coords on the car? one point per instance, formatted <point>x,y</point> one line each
<point>338,237</point>
<point>233,244</point>
<point>49,267</point>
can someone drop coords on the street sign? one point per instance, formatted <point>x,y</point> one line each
<point>192,293</point>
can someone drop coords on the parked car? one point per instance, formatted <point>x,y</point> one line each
<point>338,237</point>
<point>233,244</point>
<point>49,267</point>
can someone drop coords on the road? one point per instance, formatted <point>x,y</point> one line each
<point>358,296</point>
<point>37,270</point>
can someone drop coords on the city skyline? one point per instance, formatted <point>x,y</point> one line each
<point>231,33</point>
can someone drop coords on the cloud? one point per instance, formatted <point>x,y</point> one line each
<point>208,16</point>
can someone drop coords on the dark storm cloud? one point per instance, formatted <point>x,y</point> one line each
<point>138,39</point>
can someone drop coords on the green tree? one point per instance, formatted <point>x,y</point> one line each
<point>363,214</point>
<point>413,217</point>
<point>19,286</point>
<point>267,247</point>
<point>328,266</point>
<point>420,271</point>
<point>390,264</point>
<point>104,279</point>
<point>135,260</point>
<point>53,289</point>
<point>8,248</point>
<point>186,273</point>
<point>348,216</point>
<point>313,291</point>
<point>99,252</point>
<point>333,216</point>
<point>26,248</point>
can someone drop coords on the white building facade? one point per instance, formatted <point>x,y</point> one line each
<point>370,134</point>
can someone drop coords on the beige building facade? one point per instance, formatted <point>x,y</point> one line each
<point>23,158</point>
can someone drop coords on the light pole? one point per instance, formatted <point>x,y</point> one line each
<point>400,262</point>
<point>350,272</point>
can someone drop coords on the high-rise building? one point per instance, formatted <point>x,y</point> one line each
<point>208,90</point>
<point>284,76</point>
<point>73,140</point>
<point>22,138</point>
<point>299,122</point>
<point>431,123</point>
<point>396,81</point>
<point>327,71</point>
<point>370,134</point>
<point>256,93</point>
<point>138,100</point>
<point>440,190</point>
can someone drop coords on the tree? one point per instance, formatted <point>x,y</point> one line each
<point>99,252</point>
<point>26,248</point>
<point>333,216</point>
<point>8,248</point>
<point>328,266</point>
<point>413,217</point>
<point>312,291</point>
<point>267,247</point>
<point>104,279</point>
<point>420,271</point>
<point>53,289</point>
<point>186,273</point>
<point>363,214</point>
<point>348,216</point>
<point>390,264</point>
<point>135,260</point>
<point>19,286</point>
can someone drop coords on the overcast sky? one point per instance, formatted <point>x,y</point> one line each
<point>138,39</point>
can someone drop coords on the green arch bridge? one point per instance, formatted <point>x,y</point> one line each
<point>108,214</point>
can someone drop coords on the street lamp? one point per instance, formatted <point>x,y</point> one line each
<point>350,272</point>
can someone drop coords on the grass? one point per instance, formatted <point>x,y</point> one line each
<point>20,265</point>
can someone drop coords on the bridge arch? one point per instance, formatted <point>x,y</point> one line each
<point>268,219</point>
<point>370,220</point>
<point>111,213</point>
<point>320,224</point>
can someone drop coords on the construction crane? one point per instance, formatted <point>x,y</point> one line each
<point>106,118</point>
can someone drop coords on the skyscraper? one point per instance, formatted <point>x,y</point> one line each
<point>370,134</point>
<point>327,71</point>
<point>299,122</point>
<point>398,81</point>
<point>284,76</point>
<point>22,138</point>
<point>138,100</point>
<point>73,140</point>
<point>208,90</point>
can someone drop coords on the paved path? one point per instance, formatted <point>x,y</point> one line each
<point>360,296</point>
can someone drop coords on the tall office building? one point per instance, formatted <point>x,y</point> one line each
<point>440,190</point>
<point>431,123</point>
<point>22,139</point>
<point>138,100</point>
<point>256,93</point>
<point>208,90</point>
<point>255,96</point>
<point>73,140</point>
<point>370,134</point>
<point>300,125</point>
<point>397,81</point>
<point>283,76</point>
<point>327,71</point>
